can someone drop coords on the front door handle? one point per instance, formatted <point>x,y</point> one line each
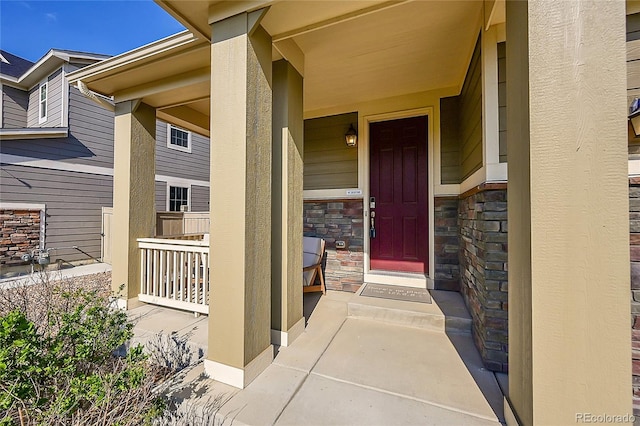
<point>372,230</point>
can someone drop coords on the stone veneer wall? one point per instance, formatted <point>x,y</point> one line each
<point>20,234</point>
<point>634,238</point>
<point>483,266</point>
<point>446,244</point>
<point>338,220</point>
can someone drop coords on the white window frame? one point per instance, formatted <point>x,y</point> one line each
<point>178,147</point>
<point>44,84</point>
<point>178,185</point>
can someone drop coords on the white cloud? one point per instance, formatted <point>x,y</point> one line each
<point>51,17</point>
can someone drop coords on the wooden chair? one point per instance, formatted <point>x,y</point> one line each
<point>312,254</point>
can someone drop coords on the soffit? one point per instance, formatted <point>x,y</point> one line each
<point>193,14</point>
<point>180,96</point>
<point>362,50</point>
<point>400,48</point>
<point>284,16</point>
<point>413,47</point>
<point>168,66</point>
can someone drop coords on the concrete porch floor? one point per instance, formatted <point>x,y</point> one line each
<point>344,370</point>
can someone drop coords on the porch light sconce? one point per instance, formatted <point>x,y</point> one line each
<point>351,137</point>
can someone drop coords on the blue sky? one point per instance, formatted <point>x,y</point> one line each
<point>30,28</point>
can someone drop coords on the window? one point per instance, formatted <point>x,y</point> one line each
<point>42,115</point>
<point>178,139</point>
<point>178,197</point>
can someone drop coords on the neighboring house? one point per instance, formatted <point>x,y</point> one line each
<point>56,161</point>
<point>449,99</point>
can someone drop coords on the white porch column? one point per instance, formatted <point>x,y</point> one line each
<point>241,104</point>
<point>287,321</point>
<point>133,193</point>
<point>569,308</point>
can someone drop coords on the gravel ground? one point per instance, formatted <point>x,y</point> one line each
<point>43,291</point>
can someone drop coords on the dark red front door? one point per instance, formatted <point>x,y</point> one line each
<point>399,187</point>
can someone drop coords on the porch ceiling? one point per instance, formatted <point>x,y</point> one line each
<point>406,48</point>
<point>354,51</point>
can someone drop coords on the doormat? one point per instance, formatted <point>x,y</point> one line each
<point>394,292</point>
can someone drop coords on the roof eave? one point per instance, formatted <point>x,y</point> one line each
<point>49,63</point>
<point>136,57</point>
<point>34,133</point>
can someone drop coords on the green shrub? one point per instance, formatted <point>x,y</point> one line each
<point>59,366</point>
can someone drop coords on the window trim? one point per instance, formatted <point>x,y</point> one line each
<point>178,185</point>
<point>178,147</point>
<point>44,84</point>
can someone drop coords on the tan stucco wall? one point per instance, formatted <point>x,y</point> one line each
<point>133,191</point>
<point>240,197</point>
<point>569,334</point>
<point>286,291</point>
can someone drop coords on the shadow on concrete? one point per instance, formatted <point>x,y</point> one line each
<point>309,303</point>
<point>484,378</point>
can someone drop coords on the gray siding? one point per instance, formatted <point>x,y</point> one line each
<point>187,165</point>
<point>90,140</point>
<point>54,102</point>
<point>461,125</point>
<point>71,67</point>
<point>328,162</point>
<point>502,99</point>
<point>15,103</point>
<point>161,196</point>
<point>73,201</point>
<point>92,126</point>
<point>199,198</point>
<point>449,141</point>
<point>633,27</point>
<point>471,117</point>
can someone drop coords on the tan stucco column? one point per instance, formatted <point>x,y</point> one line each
<point>240,297</point>
<point>134,159</point>
<point>287,321</point>
<point>569,308</point>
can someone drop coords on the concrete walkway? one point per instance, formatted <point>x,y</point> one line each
<point>345,371</point>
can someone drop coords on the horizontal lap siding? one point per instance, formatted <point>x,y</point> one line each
<point>502,100</point>
<point>73,201</point>
<point>90,140</point>
<point>92,126</point>
<point>328,162</point>
<point>171,162</point>
<point>449,141</point>
<point>54,102</point>
<point>471,116</point>
<point>161,196</point>
<point>633,27</point>
<point>15,103</point>
<point>199,198</point>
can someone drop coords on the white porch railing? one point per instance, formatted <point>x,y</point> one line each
<point>175,273</point>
